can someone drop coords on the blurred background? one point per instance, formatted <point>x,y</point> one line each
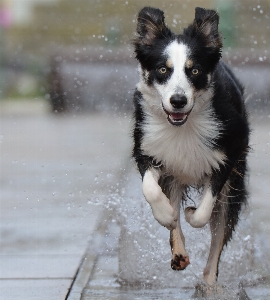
<point>67,75</point>
<point>74,53</point>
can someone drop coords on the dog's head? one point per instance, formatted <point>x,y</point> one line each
<point>177,68</point>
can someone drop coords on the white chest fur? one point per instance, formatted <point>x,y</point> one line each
<point>187,151</point>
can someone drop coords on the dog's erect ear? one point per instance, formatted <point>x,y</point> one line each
<point>151,26</point>
<point>206,22</point>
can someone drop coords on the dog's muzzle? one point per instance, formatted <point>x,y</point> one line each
<point>177,117</point>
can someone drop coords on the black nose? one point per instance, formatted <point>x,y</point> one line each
<point>178,101</point>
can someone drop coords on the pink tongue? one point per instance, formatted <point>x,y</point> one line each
<point>177,116</point>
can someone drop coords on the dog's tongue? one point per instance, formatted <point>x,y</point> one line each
<point>178,116</point>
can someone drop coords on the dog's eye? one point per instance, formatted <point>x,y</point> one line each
<point>195,72</point>
<point>162,70</point>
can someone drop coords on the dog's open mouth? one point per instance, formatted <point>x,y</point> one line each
<point>177,118</point>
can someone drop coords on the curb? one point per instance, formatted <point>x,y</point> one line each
<point>87,265</point>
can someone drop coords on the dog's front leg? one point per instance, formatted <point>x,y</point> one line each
<point>199,217</point>
<point>163,212</point>
<point>180,259</point>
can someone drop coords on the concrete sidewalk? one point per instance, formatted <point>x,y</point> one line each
<point>59,240</point>
<point>53,170</point>
<point>102,258</point>
<point>104,276</point>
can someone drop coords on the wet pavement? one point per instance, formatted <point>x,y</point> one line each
<point>51,168</point>
<point>117,273</point>
<point>64,234</point>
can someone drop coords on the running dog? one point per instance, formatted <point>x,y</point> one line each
<point>190,130</point>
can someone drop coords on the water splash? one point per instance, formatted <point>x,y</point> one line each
<point>144,250</point>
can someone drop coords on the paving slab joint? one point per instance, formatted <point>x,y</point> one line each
<point>89,259</point>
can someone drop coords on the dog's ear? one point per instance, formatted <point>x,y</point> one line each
<point>206,23</point>
<point>151,26</point>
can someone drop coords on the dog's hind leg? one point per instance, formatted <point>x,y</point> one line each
<point>218,223</point>
<point>225,216</point>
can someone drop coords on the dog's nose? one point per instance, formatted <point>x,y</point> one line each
<point>178,101</point>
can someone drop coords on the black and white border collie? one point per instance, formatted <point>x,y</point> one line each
<point>191,130</point>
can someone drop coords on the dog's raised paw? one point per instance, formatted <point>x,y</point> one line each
<point>179,262</point>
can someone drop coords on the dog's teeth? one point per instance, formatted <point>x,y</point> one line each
<point>178,119</point>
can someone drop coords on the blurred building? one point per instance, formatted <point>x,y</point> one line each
<point>41,34</point>
<point>40,25</point>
